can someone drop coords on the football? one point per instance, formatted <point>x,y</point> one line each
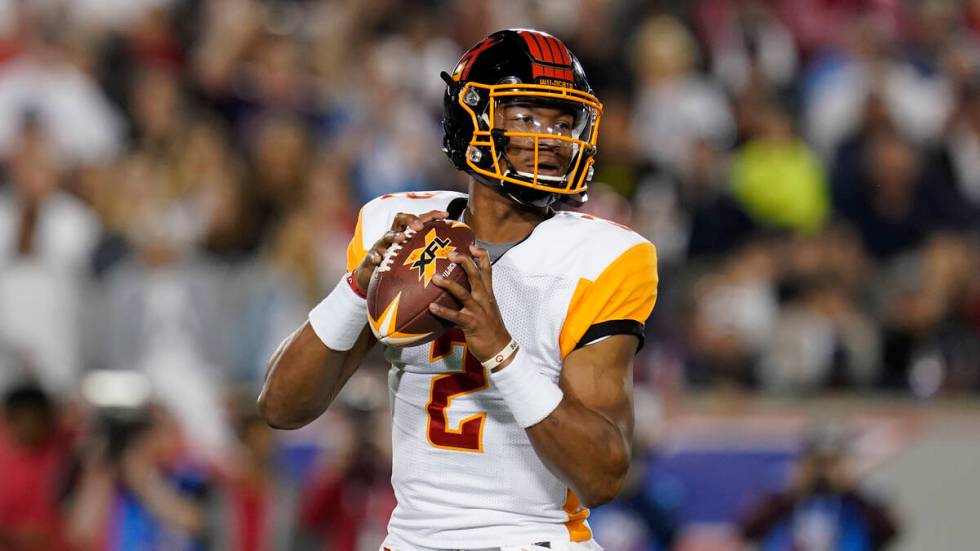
<point>401,287</point>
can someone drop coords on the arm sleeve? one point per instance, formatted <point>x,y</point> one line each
<point>618,302</point>
<point>356,250</point>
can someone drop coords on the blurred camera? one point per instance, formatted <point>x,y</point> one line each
<point>121,404</point>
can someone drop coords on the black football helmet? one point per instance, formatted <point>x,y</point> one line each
<point>526,67</point>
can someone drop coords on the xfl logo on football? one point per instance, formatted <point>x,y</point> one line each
<point>424,258</point>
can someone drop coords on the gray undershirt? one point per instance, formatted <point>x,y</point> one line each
<point>496,250</point>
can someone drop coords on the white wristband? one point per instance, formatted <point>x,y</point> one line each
<point>530,395</point>
<point>339,319</point>
<point>502,356</point>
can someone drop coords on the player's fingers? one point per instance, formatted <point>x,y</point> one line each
<point>381,247</point>
<point>428,217</point>
<point>455,289</point>
<point>405,220</point>
<point>455,316</point>
<point>393,237</point>
<point>387,239</point>
<point>373,258</point>
<point>472,273</point>
<point>482,257</point>
<point>402,220</point>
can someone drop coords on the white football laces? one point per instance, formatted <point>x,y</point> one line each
<point>389,257</point>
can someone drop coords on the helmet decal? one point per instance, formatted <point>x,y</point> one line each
<point>551,57</point>
<point>462,71</point>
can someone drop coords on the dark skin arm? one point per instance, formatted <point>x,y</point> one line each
<point>586,440</point>
<point>304,375</point>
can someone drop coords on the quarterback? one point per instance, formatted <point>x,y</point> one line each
<point>508,427</point>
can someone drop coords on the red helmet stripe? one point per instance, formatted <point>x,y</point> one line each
<point>546,53</point>
<point>548,50</point>
<point>539,70</point>
<point>556,50</point>
<point>532,45</point>
<point>565,54</point>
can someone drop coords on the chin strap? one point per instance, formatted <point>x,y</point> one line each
<point>537,199</point>
<point>575,201</point>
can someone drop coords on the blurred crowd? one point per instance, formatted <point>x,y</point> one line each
<point>181,177</point>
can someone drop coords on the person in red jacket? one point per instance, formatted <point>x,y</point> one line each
<point>33,456</point>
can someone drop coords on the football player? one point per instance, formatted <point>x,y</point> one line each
<point>509,426</point>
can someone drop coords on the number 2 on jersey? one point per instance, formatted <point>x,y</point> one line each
<point>469,436</point>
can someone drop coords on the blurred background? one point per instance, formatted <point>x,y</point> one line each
<point>180,179</point>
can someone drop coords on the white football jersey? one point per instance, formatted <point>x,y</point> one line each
<point>464,472</point>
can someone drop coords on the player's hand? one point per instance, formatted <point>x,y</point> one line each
<point>480,317</point>
<point>403,220</point>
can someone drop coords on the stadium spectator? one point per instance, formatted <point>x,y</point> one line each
<point>823,508</point>
<point>816,23</point>
<point>603,55</point>
<point>257,506</point>
<point>274,294</point>
<point>34,453</point>
<point>733,316</point>
<point>159,117</point>
<point>394,134</point>
<point>348,504</point>
<point>747,42</point>
<point>820,340</point>
<point>838,83</point>
<point>895,208</point>
<point>675,107</point>
<point>209,172</point>
<point>959,159</point>
<point>279,160</point>
<point>162,306</point>
<point>227,30</point>
<point>776,179</point>
<point>49,79</point>
<point>47,238</point>
<point>823,338</point>
<point>136,486</point>
<point>924,311</point>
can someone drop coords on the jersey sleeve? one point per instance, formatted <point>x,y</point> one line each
<point>619,301</point>
<point>357,249</point>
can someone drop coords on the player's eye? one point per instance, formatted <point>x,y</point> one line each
<point>524,119</point>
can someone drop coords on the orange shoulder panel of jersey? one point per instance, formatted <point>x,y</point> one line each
<point>355,250</point>
<point>625,290</point>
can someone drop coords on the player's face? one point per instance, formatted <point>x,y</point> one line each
<point>553,155</point>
